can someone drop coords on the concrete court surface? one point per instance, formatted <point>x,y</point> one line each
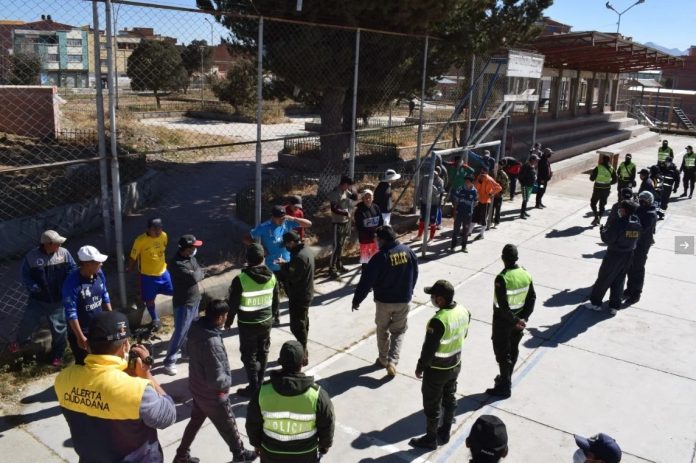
<point>632,375</point>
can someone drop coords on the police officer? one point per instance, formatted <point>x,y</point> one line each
<point>626,193</point>
<point>636,271</point>
<point>603,177</point>
<point>621,238</point>
<point>113,410</point>
<point>291,417</point>
<point>626,174</point>
<point>664,151</point>
<point>440,363</point>
<point>688,166</point>
<point>670,181</point>
<point>253,296</point>
<point>298,275</point>
<point>514,299</point>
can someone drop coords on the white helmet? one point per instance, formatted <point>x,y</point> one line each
<point>646,197</point>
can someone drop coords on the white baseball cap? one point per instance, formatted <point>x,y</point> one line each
<point>90,253</point>
<point>52,237</point>
<point>367,191</point>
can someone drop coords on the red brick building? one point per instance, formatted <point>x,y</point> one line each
<point>683,78</point>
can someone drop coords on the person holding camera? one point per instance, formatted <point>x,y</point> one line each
<point>114,409</point>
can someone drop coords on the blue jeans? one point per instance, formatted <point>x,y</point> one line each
<point>31,320</point>
<point>183,317</point>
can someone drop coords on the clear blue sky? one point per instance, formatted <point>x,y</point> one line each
<point>670,23</point>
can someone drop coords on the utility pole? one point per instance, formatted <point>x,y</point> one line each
<point>618,23</point>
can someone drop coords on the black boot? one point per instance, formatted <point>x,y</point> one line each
<point>429,440</point>
<point>502,386</point>
<point>443,432</point>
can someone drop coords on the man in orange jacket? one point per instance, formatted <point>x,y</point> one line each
<point>487,188</point>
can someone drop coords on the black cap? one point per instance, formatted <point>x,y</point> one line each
<point>346,179</point>
<point>291,355</point>
<point>386,233</point>
<point>488,436</point>
<point>441,288</point>
<point>510,252</point>
<point>254,254</point>
<point>548,151</point>
<point>108,327</point>
<point>644,171</point>
<point>295,200</point>
<point>155,222</point>
<point>626,193</point>
<point>188,241</point>
<point>533,157</point>
<point>602,446</point>
<point>278,211</point>
<point>469,178</point>
<point>629,206</point>
<point>629,155</point>
<point>291,236</point>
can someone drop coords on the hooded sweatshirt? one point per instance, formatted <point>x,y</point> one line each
<point>209,367</point>
<point>260,274</point>
<point>292,384</point>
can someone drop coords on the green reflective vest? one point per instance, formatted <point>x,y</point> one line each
<point>456,323</point>
<point>603,178</point>
<point>626,171</point>
<point>256,301</point>
<point>663,153</point>
<point>690,160</point>
<point>517,281</point>
<point>289,420</point>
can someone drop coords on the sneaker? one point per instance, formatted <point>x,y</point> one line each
<point>591,306</point>
<point>527,215</point>
<point>391,369</point>
<point>185,459</point>
<point>381,363</point>
<point>170,370</point>
<point>612,311</point>
<point>13,347</point>
<point>333,275</point>
<point>247,391</point>
<point>522,216</point>
<point>245,455</point>
<point>57,363</point>
<point>424,442</point>
<point>595,222</point>
<point>343,269</point>
<point>156,325</point>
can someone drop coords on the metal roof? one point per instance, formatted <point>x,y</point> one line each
<point>652,83</point>
<point>601,52</point>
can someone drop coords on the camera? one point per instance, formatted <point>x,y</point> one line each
<point>133,358</point>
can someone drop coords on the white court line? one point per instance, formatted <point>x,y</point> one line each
<point>387,448</point>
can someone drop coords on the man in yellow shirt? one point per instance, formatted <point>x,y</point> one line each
<point>148,254</point>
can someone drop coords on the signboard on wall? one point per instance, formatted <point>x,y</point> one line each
<point>524,64</point>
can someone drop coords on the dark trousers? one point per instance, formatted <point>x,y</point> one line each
<point>612,275</point>
<point>281,286</point>
<point>636,272</point>
<point>689,180</point>
<point>31,320</point>
<point>621,185</point>
<point>543,184</point>
<point>665,194</point>
<point>219,410</point>
<point>438,388</point>
<point>78,352</point>
<point>268,457</point>
<point>599,195</point>
<point>254,342</point>
<point>506,347</point>
<point>299,320</point>
<point>461,222</point>
<point>513,185</point>
<point>341,233</point>
<point>497,208</point>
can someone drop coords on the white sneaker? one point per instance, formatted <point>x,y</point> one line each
<point>591,306</point>
<point>613,311</point>
<point>170,370</point>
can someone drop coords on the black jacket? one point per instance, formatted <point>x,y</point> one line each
<point>622,235</point>
<point>383,197</point>
<point>648,219</point>
<point>209,367</point>
<point>392,273</point>
<point>185,273</point>
<point>367,220</point>
<point>260,274</point>
<point>292,384</point>
<point>298,275</point>
<point>527,175</point>
<point>670,177</point>
<point>647,185</point>
<point>502,315</point>
<point>544,172</point>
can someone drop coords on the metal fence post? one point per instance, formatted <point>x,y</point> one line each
<point>419,141</point>
<point>103,169</point>
<point>115,175</point>
<point>353,135</point>
<point>259,116</point>
<point>428,204</point>
<point>503,142</point>
<point>470,107</point>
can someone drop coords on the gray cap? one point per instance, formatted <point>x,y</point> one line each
<point>254,254</point>
<point>52,236</point>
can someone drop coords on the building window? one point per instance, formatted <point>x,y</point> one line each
<point>52,58</point>
<point>74,58</point>
<point>74,42</point>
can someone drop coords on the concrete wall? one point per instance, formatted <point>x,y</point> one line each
<point>35,104</point>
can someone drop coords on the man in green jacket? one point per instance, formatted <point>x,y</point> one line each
<point>664,151</point>
<point>603,176</point>
<point>626,174</point>
<point>291,418</point>
<point>298,275</point>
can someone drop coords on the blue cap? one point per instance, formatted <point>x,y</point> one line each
<point>602,446</point>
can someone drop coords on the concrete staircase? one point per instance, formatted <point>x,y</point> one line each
<point>572,136</point>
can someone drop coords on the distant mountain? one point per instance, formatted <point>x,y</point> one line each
<point>671,51</point>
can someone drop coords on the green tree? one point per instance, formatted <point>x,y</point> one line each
<point>239,86</point>
<point>195,57</point>
<point>156,66</point>
<point>318,61</point>
<point>24,69</point>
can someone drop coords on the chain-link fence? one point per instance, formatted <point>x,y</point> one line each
<point>199,116</point>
